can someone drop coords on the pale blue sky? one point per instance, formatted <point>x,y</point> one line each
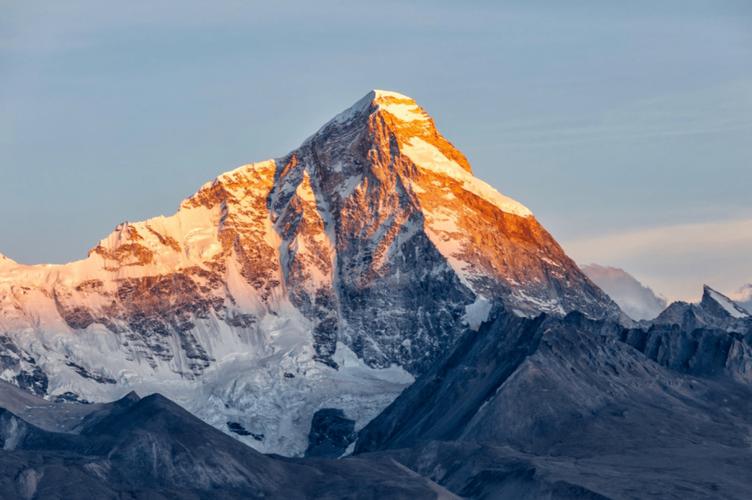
<point>605,118</point>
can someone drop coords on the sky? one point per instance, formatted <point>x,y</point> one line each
<point>624,126</point>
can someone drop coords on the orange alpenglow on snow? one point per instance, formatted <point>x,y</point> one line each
<point>368,249</point>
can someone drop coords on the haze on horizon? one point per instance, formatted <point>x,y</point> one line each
<point>624,127</point>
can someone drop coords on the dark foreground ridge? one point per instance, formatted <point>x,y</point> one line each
<point>576,408</point>
<point>152,448</point>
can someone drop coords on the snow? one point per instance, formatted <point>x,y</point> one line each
<point>255,392</point>
<point>349,185</point>
<point>248,380</point>
<point>477,312</point>
<point>6,261</point>
<point>405,112</point>
<point>406,109</point>
<point>246,384</point>
<point>727,304</point>
<point>304,191</point>
<point>428,157</point>
<point>379,94</point>
<point>243,172</point>
<point>540,304</point>
<point>398,105</point>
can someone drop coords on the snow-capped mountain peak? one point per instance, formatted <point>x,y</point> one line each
<point>400,106</point>
<point>712,299</point>
<point>715,310</point>
<point>327,278</point>
<point>394,121</point>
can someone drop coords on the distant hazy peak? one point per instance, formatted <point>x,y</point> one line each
<point>636,300</point>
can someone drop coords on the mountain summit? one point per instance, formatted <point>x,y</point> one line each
<point>715,310</point>
<point>324,279</point>
<point>722,305</point>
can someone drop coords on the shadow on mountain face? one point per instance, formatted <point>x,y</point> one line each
<point>574,408</point>
<point>152,448</point>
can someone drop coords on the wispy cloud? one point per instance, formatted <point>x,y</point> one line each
<point>677,259</point>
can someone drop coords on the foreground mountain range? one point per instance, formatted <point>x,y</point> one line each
<point>542,407</point>
<point>381,324</point>
<point>153,448</point>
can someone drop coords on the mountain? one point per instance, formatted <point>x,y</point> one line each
<point>715,310</point>
<point>635,299</point>
<point>324,280</point>
<point>577,408</point>
<point>152,448</point>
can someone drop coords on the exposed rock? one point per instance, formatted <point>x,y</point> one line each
<point>331,433</point>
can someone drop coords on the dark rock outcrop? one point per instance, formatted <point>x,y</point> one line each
<point>331,433</point>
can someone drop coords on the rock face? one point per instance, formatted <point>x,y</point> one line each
<point>328,278</point>
<point>21,368</point>
<point>638,301</point>
<point>569,408</point>
<point>331,433</point>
